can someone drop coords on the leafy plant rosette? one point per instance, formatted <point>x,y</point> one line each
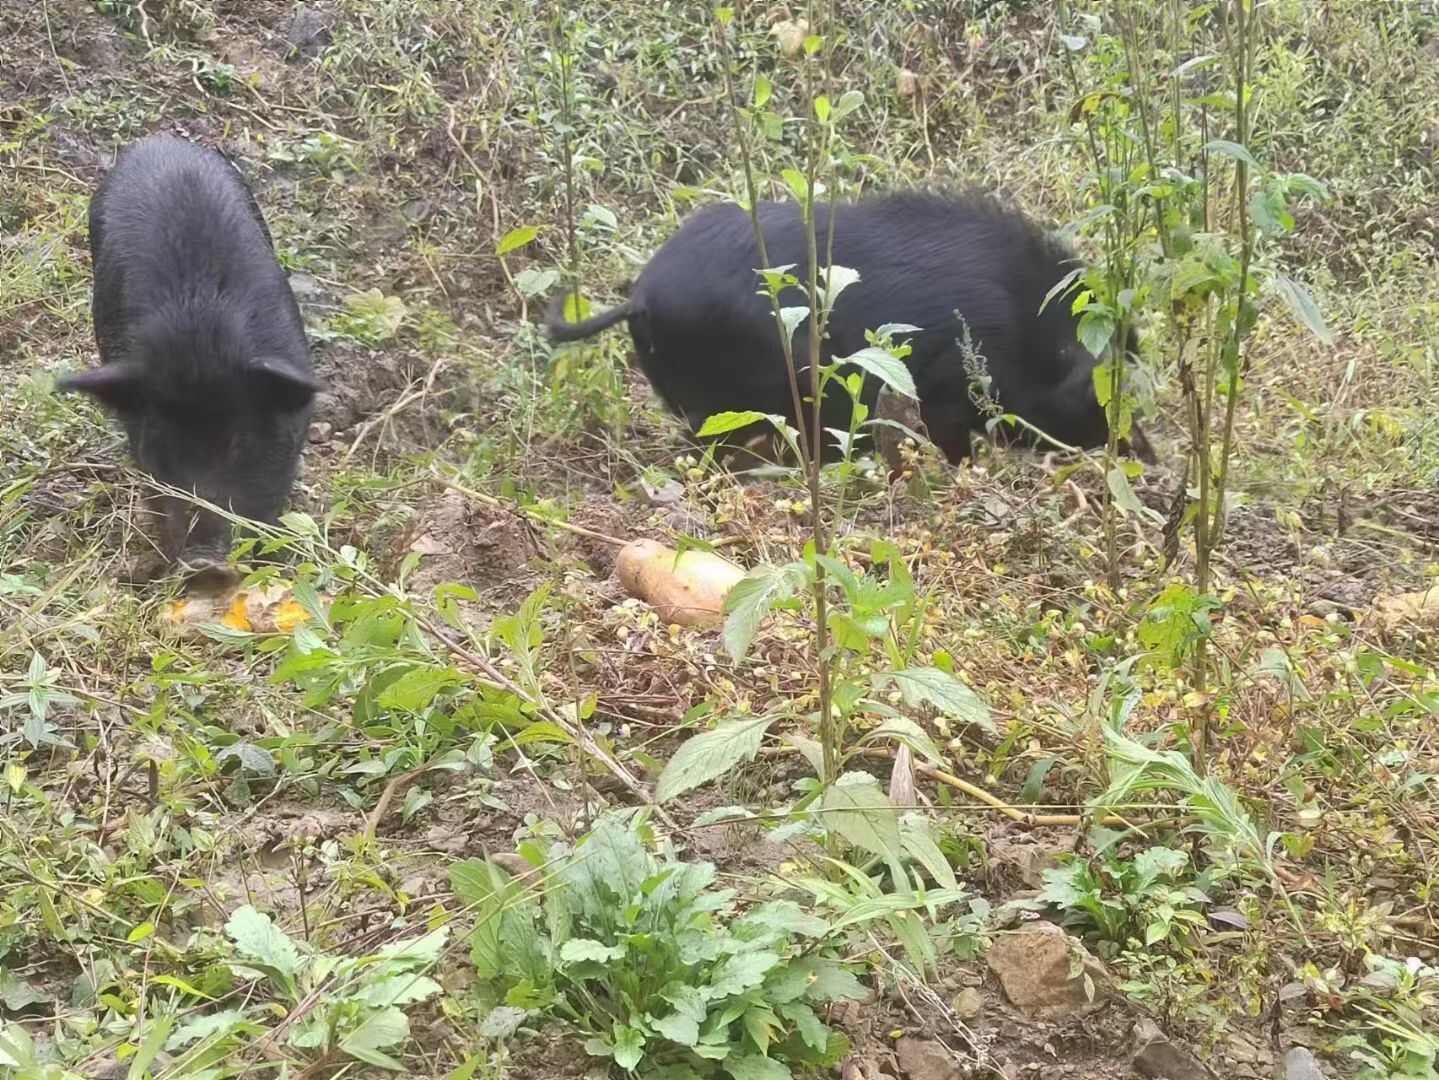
<point>652,964</point>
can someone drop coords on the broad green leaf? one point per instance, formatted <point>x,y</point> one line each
<point>756,1067</point>
<point>1268,211</point>
<point>1301,303</point>
<point>942,691</point>
<point>688,1001</point>
<point>259,939</point>
<point>821,108</point>
<point>725,422</point>
<point>253,759</point>
<point>753,597</point>
<point>858,809</point>
<point>760,1024</point>
<point>380,1029</point>
<point>1096,329</point>
<point>1226,148</point>
<point>577,950</point>
<point>711,754</point>
<point>762,91</point>
<point>417,951</point>
<point>836,280</point>
<point>516,238</point>
<point>780,917</point>
<point>893,372</point>
<point>809,1026</point>
<point>205,1026</point>
<point>796,182</point>
<point>736,974</point>
<point>916,839</point>
<point>1123,493</point>
<point>848,102</point>
<point>902,729</point>
<point>827,980</point>
<point>417,688</point>
<point>791,317</point>
<point>403,989</point>
<point>629,1046</point>
<point>677,1028</point>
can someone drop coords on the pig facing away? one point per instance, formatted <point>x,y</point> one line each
<point>706,338</point>
<point>203,354</point>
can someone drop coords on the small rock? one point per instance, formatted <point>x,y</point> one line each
<point>1034,965</point>
<point>320,431</point>
<point>791,35</point>
<point>667,494</point>
<point>308,30</point>
<point>415,885</point>
<point>925,1059</point>
<point>306,287</point>
<point>1300,1064</point>
<point>417,210</point>
<point>967,1003</point>
<point>906,83</point>
<point>1160,1059</point>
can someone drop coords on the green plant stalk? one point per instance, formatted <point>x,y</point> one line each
<point>830,728</point>
<point>752,194</point>
<point>1242,58</point>
<point>562,63</point>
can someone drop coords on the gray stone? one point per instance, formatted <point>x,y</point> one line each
<point>1299,1064</point>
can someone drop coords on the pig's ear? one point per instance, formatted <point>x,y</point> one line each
<point>118,386</point>
<point>282,383</point>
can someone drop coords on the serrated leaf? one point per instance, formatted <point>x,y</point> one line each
<point>257,938</point>
<point>516,238</point>
<point>828,981</point>
<point>889,370</point>
<point>1301,304</point>
<point>806,1023</point>
<point>1096,329</point>
<point>942,691</point>
<point>736,974</point>
<point>380,1029</point>
<point>417,688</point>
<point>856,807</point>
<point>781,917</point>
<point>724,422</point>
<point>711,754</point>
<point>752,598</point>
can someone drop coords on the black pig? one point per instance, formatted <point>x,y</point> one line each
<point>707,341</point>
<point>203,354</point>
